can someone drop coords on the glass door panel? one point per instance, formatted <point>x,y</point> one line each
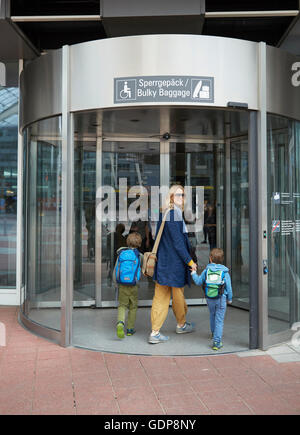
<point>84,213</point>
<point>132,164</point>
<point>43,223</point>
<point>201,164</point>
<point>240,223</point>
<point>281,204</point>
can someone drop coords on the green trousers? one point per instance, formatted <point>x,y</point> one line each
<point>128,299</point>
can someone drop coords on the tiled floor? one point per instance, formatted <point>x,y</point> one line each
<point>39,377</point>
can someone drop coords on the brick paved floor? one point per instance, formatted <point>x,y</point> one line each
<point>39,377</point>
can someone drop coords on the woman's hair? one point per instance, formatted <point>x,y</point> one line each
<point>134,240</point>
<point>217,255</point>
<point>169,201</point>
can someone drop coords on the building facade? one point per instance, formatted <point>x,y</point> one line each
<point>105,122</point>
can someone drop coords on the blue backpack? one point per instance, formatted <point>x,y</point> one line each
<point>128,268</point>
<point>214,283</point>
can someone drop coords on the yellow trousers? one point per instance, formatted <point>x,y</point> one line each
<point>160,305</point>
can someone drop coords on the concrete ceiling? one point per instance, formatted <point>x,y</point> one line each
<point>291,40</point>
<point>29,28</point>
<point>14,44</point>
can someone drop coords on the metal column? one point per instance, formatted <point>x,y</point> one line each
<point>67,206</point>
<point>98,223</point>
<point>253,232</point>
<point>262,196</point>
<point>227,186</point>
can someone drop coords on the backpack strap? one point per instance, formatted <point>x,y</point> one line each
<point>137,253</point>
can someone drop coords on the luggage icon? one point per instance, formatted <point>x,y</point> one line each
<point>201,91</point>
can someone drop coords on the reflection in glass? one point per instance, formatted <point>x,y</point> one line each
<point>43,222</point>
<point>8,184</point>
<point>138,163</point>
<point>202,164</point>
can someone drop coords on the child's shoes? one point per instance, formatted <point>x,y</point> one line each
<point>217,346</point>
<point>120,330</point>
<point>130,331</point>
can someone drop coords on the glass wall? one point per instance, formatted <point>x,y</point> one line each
<point>8,185</point>
<point>283,223</point>
<point>43,222</point>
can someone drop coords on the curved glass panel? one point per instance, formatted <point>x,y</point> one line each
<point>43,223</point>
<point>283,223</point>
<point>297,218</point>
<point>8,184</point>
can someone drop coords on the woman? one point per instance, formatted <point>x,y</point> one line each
<point>172,271</point>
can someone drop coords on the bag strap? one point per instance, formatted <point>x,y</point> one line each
<point>158,237</point>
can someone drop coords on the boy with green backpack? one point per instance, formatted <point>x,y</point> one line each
<point>126,275</point>
<point>216,283</point>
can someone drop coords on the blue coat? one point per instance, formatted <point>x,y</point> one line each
<point>173,254</point>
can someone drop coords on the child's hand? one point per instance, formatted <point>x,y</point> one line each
<point>229,302</point>
<point>193,268</point>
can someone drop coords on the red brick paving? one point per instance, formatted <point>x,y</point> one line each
<point>39,377</point>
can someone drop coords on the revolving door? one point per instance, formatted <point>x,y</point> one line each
<point>219,141</point>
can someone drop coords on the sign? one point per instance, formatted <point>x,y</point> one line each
<point>276,197</point>
<point>287,227</point>
<point>276,226</point>
<point>163,89</point>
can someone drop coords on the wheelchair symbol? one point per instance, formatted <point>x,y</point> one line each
<point>125,93</point>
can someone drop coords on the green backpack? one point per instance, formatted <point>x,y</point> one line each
<point>214,283</point>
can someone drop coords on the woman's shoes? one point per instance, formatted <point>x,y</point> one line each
<point>158,338</point>
<point>187,327</point>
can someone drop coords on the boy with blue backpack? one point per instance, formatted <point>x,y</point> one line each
<point>216,283</point>
<point>126,275</point>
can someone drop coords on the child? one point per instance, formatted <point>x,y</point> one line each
<point>126,275</point>
<point>217,285</point>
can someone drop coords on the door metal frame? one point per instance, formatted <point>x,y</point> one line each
<point>98,226</point>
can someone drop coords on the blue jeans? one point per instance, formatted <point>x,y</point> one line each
<point>217,310</point>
